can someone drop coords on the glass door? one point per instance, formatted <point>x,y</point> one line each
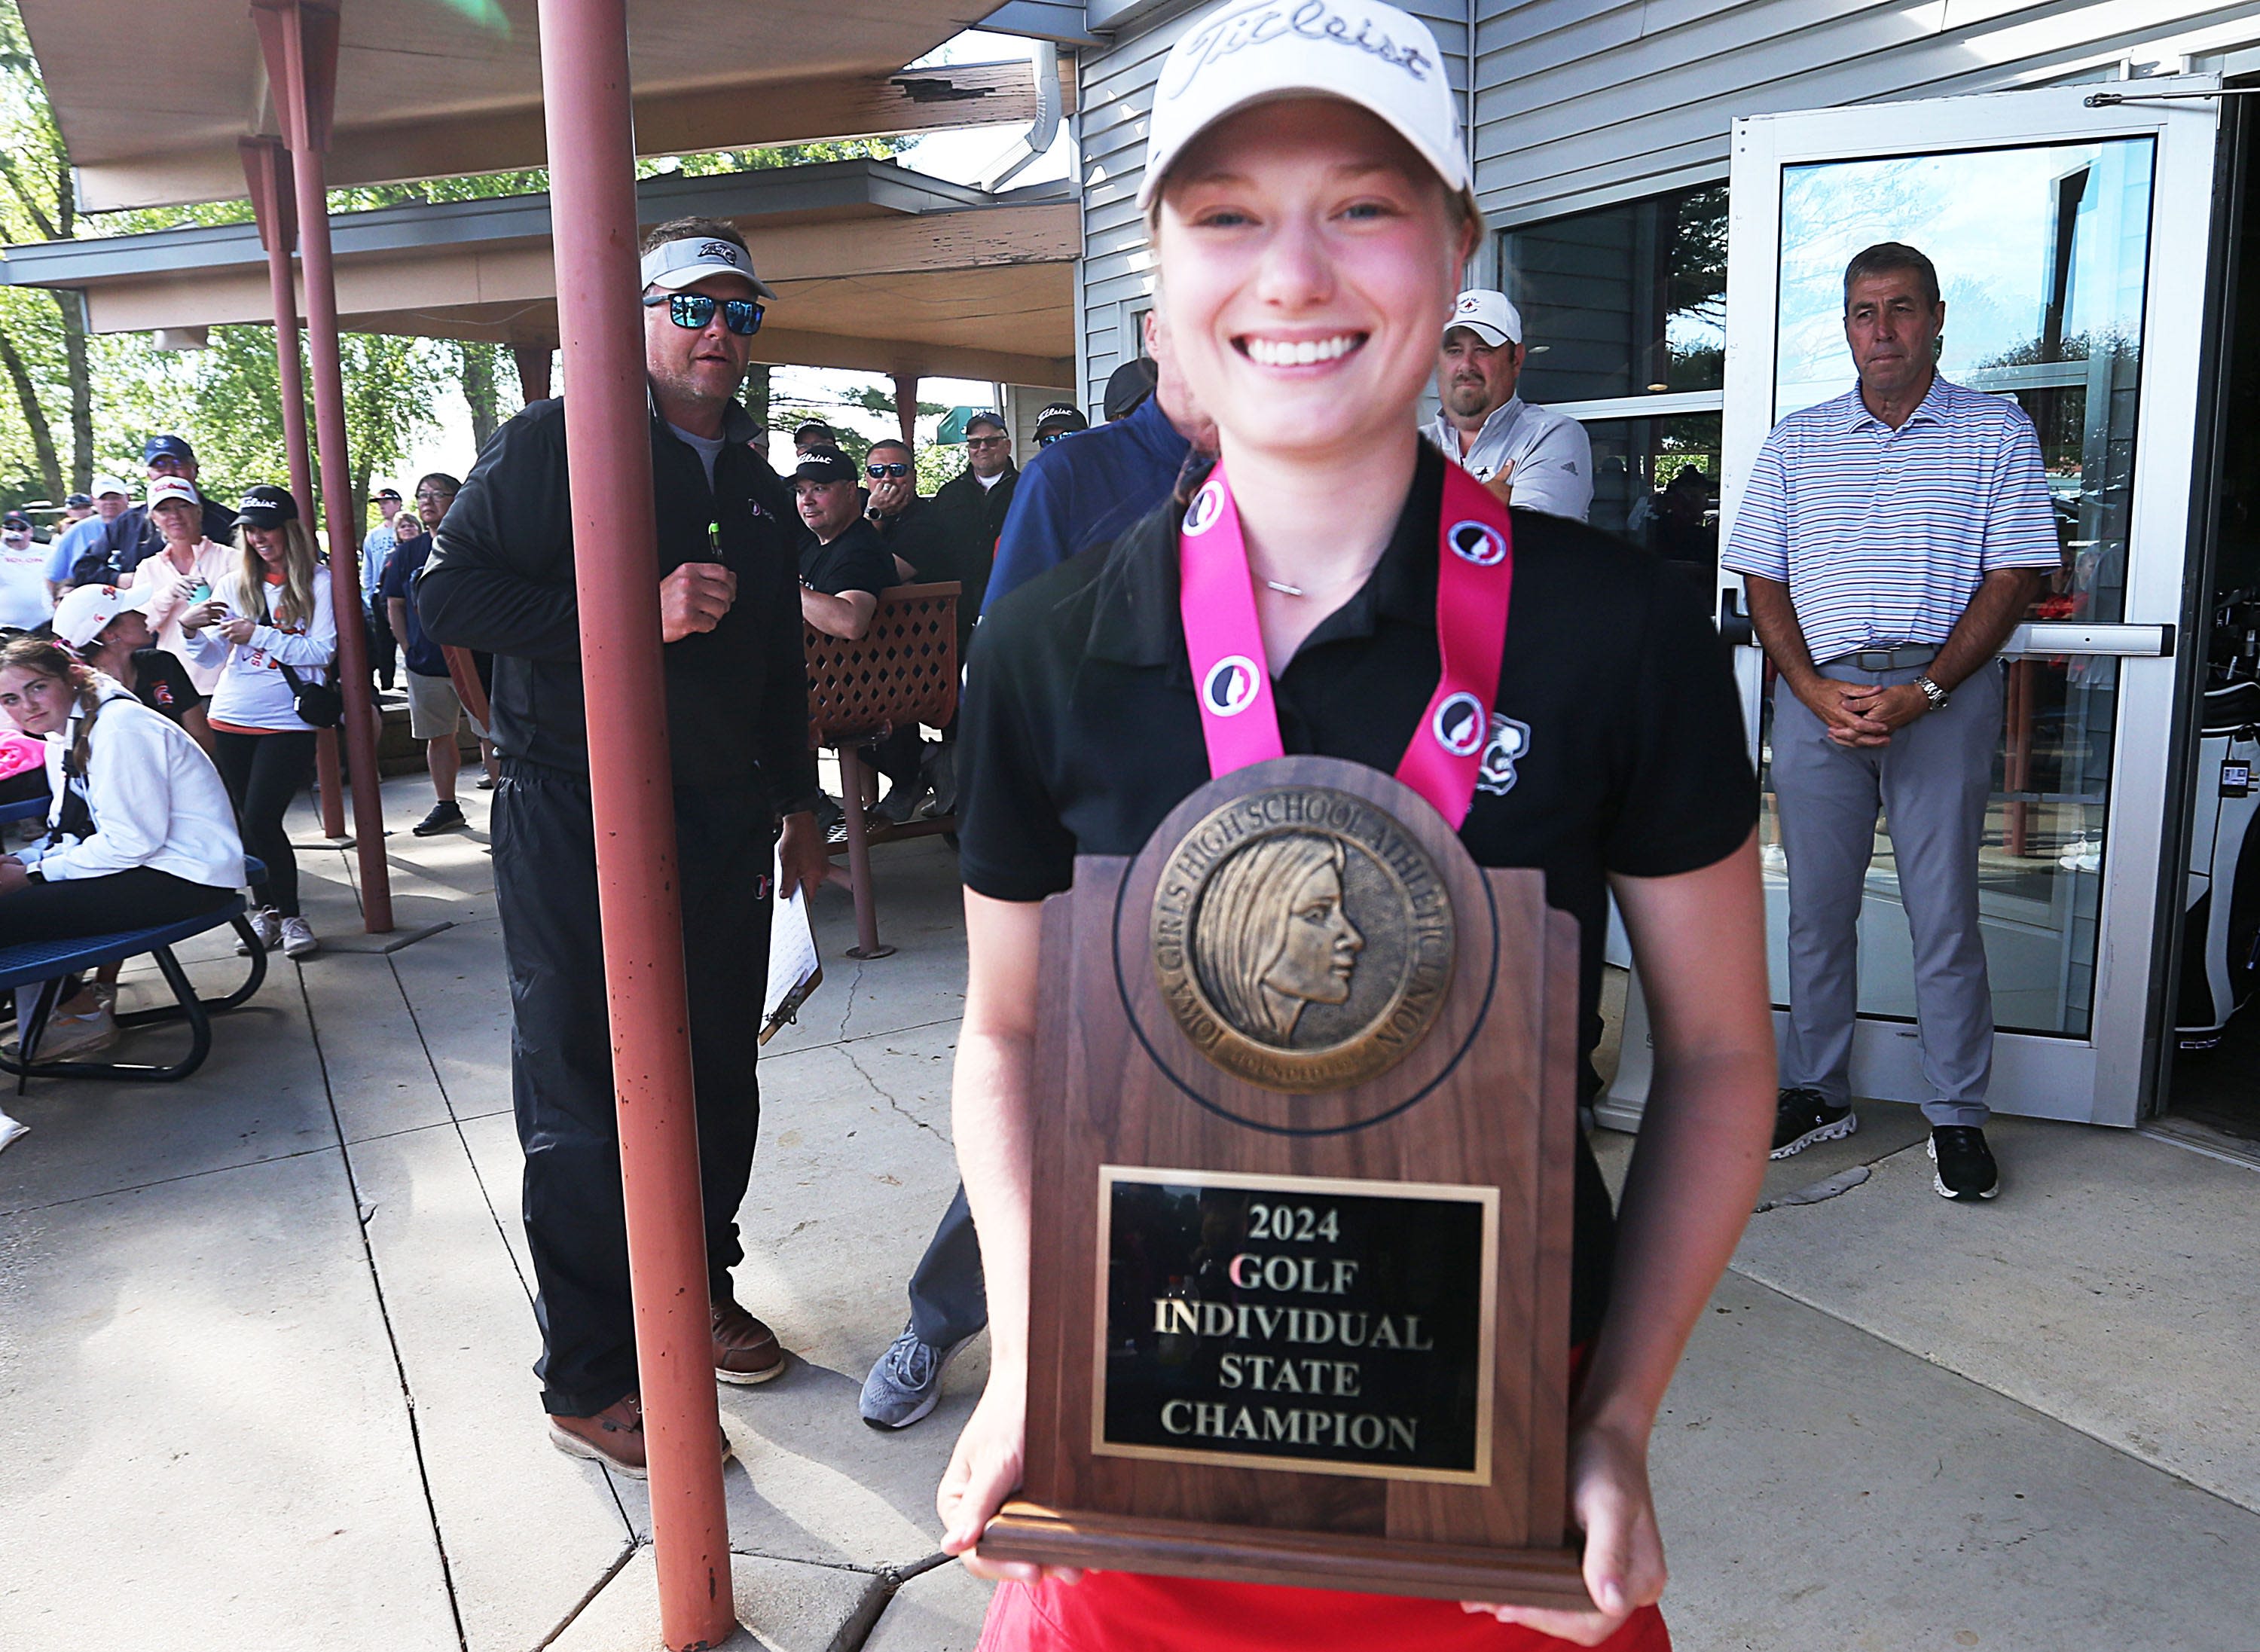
<point>2071,243</point>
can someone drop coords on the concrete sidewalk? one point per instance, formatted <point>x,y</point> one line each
<point>265,1339</point>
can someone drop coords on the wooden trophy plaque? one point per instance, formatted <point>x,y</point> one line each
<point>1305,1100</point>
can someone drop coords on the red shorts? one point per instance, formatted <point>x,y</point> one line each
<point>1129,1611</point>
<point>1126,1612</point>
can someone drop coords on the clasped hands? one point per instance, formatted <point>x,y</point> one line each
<point>214,614</point>
<point>1862,714</point>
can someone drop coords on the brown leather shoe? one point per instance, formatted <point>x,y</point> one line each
<point>744,1349</point>
<point>613,1437</point>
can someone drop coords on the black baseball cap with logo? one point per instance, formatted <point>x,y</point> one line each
<point>388,493</point>
<point>267,506</point>
<point>825,464</point>
<point>1059,418</point>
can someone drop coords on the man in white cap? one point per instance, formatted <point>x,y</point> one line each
<point>501,580</point>
<point>1530,456</point>
<point>112,496</point>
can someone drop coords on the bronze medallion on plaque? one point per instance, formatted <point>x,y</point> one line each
<point>1302,938</point>
<point>1299,1306</point>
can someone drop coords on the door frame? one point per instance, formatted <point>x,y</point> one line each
<point>2102,1078</point>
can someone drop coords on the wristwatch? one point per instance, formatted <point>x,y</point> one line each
<point>1938,696</point>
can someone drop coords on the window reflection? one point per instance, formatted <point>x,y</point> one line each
<point>1655,482</point>
<point>1629,300</point>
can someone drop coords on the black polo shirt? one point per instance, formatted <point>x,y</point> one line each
<point>858,560</point>
<point>1617,740</point>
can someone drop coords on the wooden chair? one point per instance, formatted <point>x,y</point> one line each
<point>902,674</point>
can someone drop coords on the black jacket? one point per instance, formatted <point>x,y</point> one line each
<point>972,517</point>
<point>500,580</point>
<point>920,535</point>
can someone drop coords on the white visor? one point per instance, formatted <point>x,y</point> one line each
<point>674,264</point>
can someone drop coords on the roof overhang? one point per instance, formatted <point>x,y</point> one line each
<point>876,269</point>
<point>446,88</point>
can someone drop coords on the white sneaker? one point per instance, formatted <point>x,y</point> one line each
<point>266,924</point>
<point>298,939</point>
<point>10,1129</point>
<point>68,1035</point>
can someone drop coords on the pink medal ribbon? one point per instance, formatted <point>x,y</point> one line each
<point>1475,579</point>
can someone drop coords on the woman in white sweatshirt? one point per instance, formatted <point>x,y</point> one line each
<point>268,622</point>
<point>140,829</point>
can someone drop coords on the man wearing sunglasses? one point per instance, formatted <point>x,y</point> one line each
<point>972,506</point>
<point>914,532</point>
<point>501,580</point>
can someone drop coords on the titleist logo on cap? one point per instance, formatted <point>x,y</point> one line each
<point>1259,24</point>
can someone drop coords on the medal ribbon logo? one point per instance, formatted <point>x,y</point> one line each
<point>1475,584</point>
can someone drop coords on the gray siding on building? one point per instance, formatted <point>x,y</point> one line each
<point>1115,89</point>
<point>1580,105</point>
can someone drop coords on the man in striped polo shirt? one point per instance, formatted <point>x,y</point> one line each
<point>1891,540</point>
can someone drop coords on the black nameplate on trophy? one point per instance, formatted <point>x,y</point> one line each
<point>1294,1322</point>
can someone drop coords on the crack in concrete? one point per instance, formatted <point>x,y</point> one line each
<point>384,1316</point>
<point>886,1097</point>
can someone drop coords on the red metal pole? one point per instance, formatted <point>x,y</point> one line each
<point>300,43</point>
<point>584,76</point>
<point>267,169</point>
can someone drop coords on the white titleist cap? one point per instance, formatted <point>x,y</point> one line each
<point>1365,53</point>
<point>1488,315</point>
<point>110,484</point>
<point>674,264</point>
<point>86,608</point>
<point>164,488</point>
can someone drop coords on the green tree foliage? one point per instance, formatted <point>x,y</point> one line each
<point>71,404</point>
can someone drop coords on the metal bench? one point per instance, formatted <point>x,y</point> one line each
<point>47,962</point>
<point>902,674</point>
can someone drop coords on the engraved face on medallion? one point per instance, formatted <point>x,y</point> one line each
<point>1303,940</point>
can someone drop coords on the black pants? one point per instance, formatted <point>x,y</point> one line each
<point>382,646</point>
<point>949,1298</point>
<point>139,898</point>
<point>263,773</point>
<point>898,756</point>
<point>560,1054</point>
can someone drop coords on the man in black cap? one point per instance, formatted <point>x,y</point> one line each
<point>502,580</point>
<point>811,434</point>
<point>1127,386</point>
<point>843,566</point>
<point>1057,422</point>
<point>132,536</point>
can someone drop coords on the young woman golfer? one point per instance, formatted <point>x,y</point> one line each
<point>1308,199</point>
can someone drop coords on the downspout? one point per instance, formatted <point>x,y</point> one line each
<point>1037,142</point>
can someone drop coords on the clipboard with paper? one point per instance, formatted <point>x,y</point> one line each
<point>795,972</point>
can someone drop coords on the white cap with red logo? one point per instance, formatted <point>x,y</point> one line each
<point>86,608</point>
<point>164,488</point>
<point>1488,315</point>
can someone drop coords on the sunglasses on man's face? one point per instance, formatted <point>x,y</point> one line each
<point>879,472</point>
<point>695,311</point>
<point>984,442</point>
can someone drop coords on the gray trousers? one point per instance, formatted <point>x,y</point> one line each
<point>1931,783</point>
<point>949,1297</point>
